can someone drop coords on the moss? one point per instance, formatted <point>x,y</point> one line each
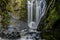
<point>53,16</point>
<point>3,12</point>
<point>49,22</point>
<point>5,20</point>
<point>23,10</point>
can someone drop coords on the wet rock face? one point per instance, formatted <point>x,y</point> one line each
<point>17,9</point>
<point>14,8</point>
<point>17,14</point>
<point>14,18</point>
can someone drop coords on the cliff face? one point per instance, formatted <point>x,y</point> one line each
<point>50,24</point>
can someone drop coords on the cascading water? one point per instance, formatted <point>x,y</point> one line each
<point>36,10</point>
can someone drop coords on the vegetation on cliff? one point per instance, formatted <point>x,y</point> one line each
<point>50,25</point>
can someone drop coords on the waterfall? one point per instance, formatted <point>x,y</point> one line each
<point>36,10</point>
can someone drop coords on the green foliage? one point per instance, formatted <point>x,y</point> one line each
<point>3,12</point>
<point>53,16</point>
<point>5,20</point>
<point>51,23</point>
<point>23,10</point>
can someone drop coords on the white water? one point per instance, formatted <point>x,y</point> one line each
<point>36,10</point>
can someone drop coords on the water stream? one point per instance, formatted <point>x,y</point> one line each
<point>36,10</point>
